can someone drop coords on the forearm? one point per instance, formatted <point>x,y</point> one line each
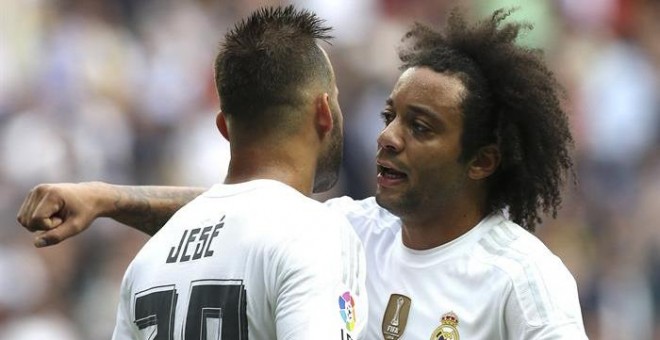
<point>145,208</point>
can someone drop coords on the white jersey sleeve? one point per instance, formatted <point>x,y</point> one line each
<point>543,302</point>
<point>124,328</point>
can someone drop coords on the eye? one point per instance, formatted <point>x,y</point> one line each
<point>420,127</point>
<point>387,116</point>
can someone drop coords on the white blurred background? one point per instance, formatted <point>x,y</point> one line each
<point>122,91</point>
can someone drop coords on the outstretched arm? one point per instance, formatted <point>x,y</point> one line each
<point>65,209</point>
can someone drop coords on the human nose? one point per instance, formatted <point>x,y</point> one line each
<point>389,139</point>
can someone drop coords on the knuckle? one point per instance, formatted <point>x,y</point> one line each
<point>45,190</point>
<point>40,189</point>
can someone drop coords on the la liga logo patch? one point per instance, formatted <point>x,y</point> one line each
<point>347,310</point>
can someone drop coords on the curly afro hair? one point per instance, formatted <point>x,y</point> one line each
<point>512,100</point>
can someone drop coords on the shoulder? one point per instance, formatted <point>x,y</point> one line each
<point>301,227</point>
<point>517,252</point>
<point>313,219</point>
<point>366,208</point>
<point>543,293</point>
<point>364,214</point>
<point>268,203</point>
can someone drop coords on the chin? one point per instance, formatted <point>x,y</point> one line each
<point>396,205</point>
<point>385,201</point>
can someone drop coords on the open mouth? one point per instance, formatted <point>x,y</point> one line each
<point>390,173</point>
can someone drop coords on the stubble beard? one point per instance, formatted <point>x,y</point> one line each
<point>329,163</point>
<point>401,205</point>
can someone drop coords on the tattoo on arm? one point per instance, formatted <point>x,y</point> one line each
<point>147,208</point>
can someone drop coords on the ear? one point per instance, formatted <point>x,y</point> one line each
<point>323,115</point>
<point>221,123</point>
<point>485,163</point>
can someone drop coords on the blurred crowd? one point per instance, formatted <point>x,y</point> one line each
<point>122,91</point>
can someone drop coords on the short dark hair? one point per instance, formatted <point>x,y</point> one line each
<point>512,100</point>
<point>265,62</point>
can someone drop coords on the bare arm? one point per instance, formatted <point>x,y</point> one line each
<point>147,208</point>
<point>63,210</point>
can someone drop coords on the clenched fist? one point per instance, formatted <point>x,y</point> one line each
<point>56,212</point>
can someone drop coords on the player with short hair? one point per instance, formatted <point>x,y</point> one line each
<point>475,148</point>
<point>255,257</point>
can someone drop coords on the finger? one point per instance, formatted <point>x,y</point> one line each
<point>56,235</point>
<point>51,222</point>
<point>36,195</point>
<point>23,211</point>
<point>45,215</point>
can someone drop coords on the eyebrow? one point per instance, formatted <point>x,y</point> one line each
<point>419,109</point>
<point>423,110</point>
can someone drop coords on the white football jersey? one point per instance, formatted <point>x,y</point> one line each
<point>497,281</point>
<point>255,260</point>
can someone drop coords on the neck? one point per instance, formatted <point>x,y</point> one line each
<point>423,230</point>
<point>288,164</point>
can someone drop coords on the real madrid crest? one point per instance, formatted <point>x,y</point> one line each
<point>395,317</point>
<point>448,328</point>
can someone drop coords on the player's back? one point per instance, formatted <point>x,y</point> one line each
<point>255,258</point>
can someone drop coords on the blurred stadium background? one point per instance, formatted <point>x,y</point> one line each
<point>122,91</point>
